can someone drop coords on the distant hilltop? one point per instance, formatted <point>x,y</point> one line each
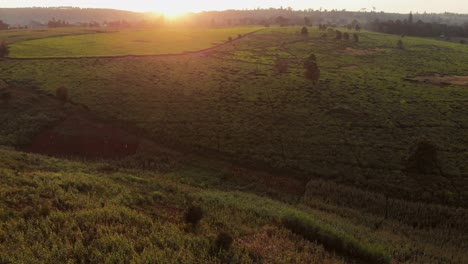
<point>40,16</point>
<point>24,16</point>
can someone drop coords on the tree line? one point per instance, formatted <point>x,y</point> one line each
<point>419,28</point>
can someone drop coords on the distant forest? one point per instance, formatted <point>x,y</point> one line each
<point>418,24</point>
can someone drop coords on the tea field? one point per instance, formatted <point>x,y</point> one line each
<point>126,42</point>
<point>238,161</point>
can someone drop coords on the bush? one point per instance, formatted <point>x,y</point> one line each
<point>304,31</point>
<point>193,215</point>
<point>346,36</point>
<point>223,242</point>
<point>356,37</point>
<point>423,158</point>
<point>341,243</point>
<point>281,66</point>
<point>4,49</point>
<point>62,93</point>
<point>230,39</point>
<point>339,35</point>
<point>400,44</point>
<point>312,72</point>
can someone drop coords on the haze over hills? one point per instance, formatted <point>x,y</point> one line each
<point>24,16</point>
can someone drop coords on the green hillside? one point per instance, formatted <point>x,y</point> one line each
<point>222,156</point>
<point>127,42</point>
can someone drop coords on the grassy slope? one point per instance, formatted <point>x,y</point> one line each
<point>356,127</point>
<point>131,213</point>
<point>128,42</point>
<point>55,210</point>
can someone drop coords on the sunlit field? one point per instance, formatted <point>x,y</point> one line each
<point>283,170</point>
<point>127,42</point>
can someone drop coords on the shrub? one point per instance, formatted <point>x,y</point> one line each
<point>312,72</point>
<point>356,37</point>
<point>239,36</point>
<point>333,240</point>
<point>423,158</point>
<point>281,66</point>
<point>339,35</point>
<point>62,93</point>
<point>400,44</point>
<point>3,49</point>
<point>304,31</point>
<point>193,215</point>
<point>346,36</point>
<point>223,241</point>
<point>230,39</point>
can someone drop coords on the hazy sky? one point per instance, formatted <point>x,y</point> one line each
<point>178,6</point>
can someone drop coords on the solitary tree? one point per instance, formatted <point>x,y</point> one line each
<point>339,35</point>
<point>281,66</point>
<point>346,36</point>
<point>400,44</point>
<point>312,71</point>
<point>3,49</point>
<point>62,94</point>
<point>356,37</point>
<point>304,31</point>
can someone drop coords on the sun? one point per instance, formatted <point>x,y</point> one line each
<point>172,9</point>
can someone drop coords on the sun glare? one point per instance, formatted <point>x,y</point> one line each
<point>174,9</point>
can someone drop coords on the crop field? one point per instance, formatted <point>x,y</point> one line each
<point>356,127</point>
<point>337,186</point>
<point>126,42</point>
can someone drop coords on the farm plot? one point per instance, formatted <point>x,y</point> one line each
<point>127,42</point>
<point>357,126</point>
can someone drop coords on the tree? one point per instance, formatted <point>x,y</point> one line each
<point>423,158</point>
<point>346,36</point>
<point>304,31</point>
<point>193,215</point>
<point>356,37</point>
<point>410,18</point>
<point>282,21</point>
<point>3,49</point>
<point>3,25</point>
<point>62,94</point>
<point>281,66</point>
<point>357,28</point>
<point>339,35</point>
<point>400,44</point>
<point>312,71</point>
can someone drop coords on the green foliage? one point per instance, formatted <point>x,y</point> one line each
<point>340,243</point>
<point>346,36</point>
<point>356,37</point>
<point>338,35</point>
<point>423,158</point>
<point>193,215</point>
<point>281,66</point>
<point>223,242</point>
<point>400,44</point>
<point>312,71</point>
<point>126,42</point>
